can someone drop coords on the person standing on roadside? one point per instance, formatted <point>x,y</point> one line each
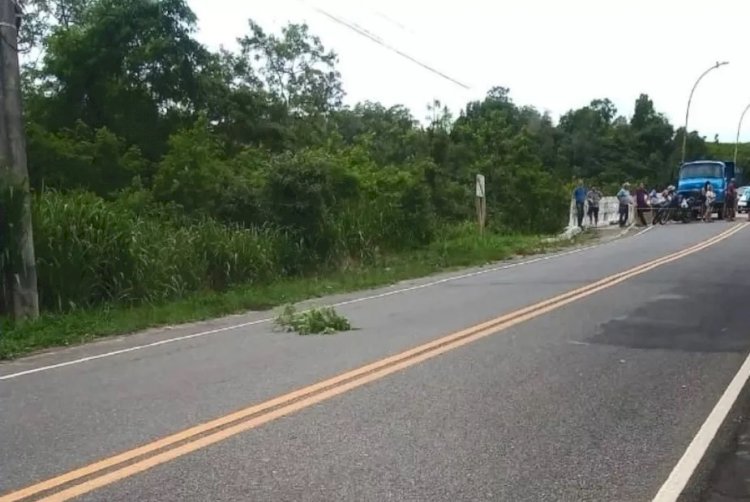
<point>579,194</point>
<point>592,199</point>
<point>702,199</point>
<point>623,197</point>
<point>730,204</point>
<point>641,202</point>
<point>710,198</point>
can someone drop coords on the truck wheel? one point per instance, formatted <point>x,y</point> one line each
<point>720,211</point>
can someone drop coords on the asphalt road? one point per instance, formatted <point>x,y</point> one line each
<point>596,399</point>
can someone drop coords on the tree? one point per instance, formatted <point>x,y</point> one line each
<point>131,66</point>
<point>83,158</point>
<point>587,143</point>
<point>240,109</point>
<point>654,137</point>
<point>391,135</point>
<point>43,17</point>
<point>296,67</point>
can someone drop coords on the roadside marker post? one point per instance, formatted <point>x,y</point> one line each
<point>481,203</point>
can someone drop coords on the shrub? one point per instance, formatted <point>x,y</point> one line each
<point>395,213</point>
<point>193,174</point>
<point>82,158</point>
<point>305,193</point>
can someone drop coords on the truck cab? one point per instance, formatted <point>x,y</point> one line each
<point>694,176</point>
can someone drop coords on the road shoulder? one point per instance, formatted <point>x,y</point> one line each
<point>169,332</point>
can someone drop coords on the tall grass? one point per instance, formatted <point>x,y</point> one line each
<point>90,251</point>
<point>14,201</point>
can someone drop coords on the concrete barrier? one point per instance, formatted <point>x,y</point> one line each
<point>608,213</point>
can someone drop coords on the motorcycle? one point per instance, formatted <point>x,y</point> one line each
<point>677,208</point>
<point>662,213</point>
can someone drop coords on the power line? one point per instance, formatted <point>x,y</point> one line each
<point>394,22</point>
<point>365,33</point>
<point>361,31</point>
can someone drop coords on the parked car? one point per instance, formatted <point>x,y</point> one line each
<point>742,203</point>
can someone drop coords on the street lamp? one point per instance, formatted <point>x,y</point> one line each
<point>690,99</point>
<point>739,127</point>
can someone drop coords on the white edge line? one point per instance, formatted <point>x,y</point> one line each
<point>647,229</point>
<point>507,266</point>
<point>680,476</point>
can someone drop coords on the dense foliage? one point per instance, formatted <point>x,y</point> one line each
<point>161,167</point>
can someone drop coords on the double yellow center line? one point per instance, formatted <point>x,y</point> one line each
<point>107,471</point>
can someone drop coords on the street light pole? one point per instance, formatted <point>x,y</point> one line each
<point>690,99</point>
<point>739,127</point>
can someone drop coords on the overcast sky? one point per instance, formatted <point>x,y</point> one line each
<point>553,54</point>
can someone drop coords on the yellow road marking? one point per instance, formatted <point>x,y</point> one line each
<point>206,434</point>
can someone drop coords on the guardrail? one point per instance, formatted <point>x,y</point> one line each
<point>608,213</point>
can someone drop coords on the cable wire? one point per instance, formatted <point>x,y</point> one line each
<point>394,22</point>
<point>365,33</point>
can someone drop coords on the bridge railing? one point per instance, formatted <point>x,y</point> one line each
<point>608,213</point>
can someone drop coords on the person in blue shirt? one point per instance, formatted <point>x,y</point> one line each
<point>624,199</point>
<point>579,194</point>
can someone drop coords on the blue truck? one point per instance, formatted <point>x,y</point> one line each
<point>694,176</point>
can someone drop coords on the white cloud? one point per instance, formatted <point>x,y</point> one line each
<point>555,55</point>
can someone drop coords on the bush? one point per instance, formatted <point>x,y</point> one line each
<point>526,199</point>
<point>82,158</point>
<point>536,202</point>
<point>395,213</point>
<point>193,173</point>
<point>305,194</point>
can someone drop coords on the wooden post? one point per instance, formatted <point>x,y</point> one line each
<point>481,203</point>
<point>13,168</point>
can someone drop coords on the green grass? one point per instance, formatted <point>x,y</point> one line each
<point>456,248</point>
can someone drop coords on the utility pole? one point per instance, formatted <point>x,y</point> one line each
<point>14,171</point>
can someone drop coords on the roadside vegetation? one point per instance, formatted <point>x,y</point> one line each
<point>460,248</point>
<point>173,183</point>
<point>315,321</point>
